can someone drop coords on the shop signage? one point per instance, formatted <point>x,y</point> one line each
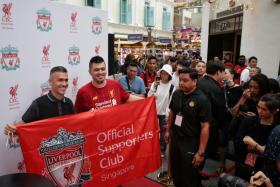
<point>235,10</point>
<point>135,37</point>
<point>165,40</point>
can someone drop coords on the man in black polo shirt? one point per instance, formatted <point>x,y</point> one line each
<point>188,121</point>
<point>50,105</point>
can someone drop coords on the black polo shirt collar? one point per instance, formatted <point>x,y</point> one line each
<point>210,78</point>
<point>53,99</point>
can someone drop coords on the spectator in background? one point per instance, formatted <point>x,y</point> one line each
<point>209,84</point>
<point>252,63</point>
<point>140,66</point>
<point>116,66</point>
<point>254,71</point>
<point>258,86</point>
<point>233,91</point>
<point>162,89</point>
<point>216,59</point>
<point>272,158</point>
<point>173,63</point>
<point>194,63</point>
<point>128,59</point>
<point>175,76</point>
<point>239,67</point>
<point>201,69</point>
<point>228,62</point>
<point>252,136</point>
<point>149,75</point>
<point>131,82</point>
<point>274,86</point>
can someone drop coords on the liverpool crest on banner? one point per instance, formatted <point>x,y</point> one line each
<point>64,158</point>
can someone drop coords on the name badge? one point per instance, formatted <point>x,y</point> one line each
<point>178,120</point>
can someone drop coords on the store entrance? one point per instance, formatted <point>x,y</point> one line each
<point>225,38</point>
<point>224,46</point>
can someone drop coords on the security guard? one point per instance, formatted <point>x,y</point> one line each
<point>188,130</point>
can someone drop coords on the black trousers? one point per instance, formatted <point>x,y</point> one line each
<point>182,151</point>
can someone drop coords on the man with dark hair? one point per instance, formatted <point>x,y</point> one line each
<point>175,76</point>
<point>131,82</point>
<point>252,63</point>
<point>210,85</point>
<point>100,92</point>
<point>50,105</point>
<point>149,75</point>
<point>239,67</point>
<point>173,63</point>
<point>188,121</point>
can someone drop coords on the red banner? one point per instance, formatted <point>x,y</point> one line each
<point>107,147</point>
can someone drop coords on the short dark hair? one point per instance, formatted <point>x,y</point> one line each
<point>173,59</point>
<point>132,64</point>
<point>192,72</point>
<point>58,69</point>
<point>214,66</point>
<point>233,72</point>
<point>201,61</point>
<point>274,85</point>
<point>95,60</point>
<point>151,58</point>
<point>242,56</point>
<point>252,58</point>
<point>183,63</point>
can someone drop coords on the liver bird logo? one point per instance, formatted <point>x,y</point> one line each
<point>73,17</point>
<point>7,9</point>
<point>13,91</point>
<point>46,51</point>
<point>68,173</point>
<point>97,49</point>
<point>21,166</point>
<point>75,81</point>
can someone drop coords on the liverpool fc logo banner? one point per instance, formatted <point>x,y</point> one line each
<point>106,147</point>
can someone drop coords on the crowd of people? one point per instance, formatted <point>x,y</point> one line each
<point>207,109</point>
<point>201,107</point>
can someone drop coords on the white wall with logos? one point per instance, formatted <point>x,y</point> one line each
<point>36,35</point>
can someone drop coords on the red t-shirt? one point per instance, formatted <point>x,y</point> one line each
<point>89,97</point>
<point>238,69</point>
<point>148,78</point>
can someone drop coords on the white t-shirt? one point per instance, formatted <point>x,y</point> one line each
<point>175,80</point>
<point>244,77</point>
<point>162,97</point>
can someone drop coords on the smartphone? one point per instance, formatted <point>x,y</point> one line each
<point>157,78</point>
